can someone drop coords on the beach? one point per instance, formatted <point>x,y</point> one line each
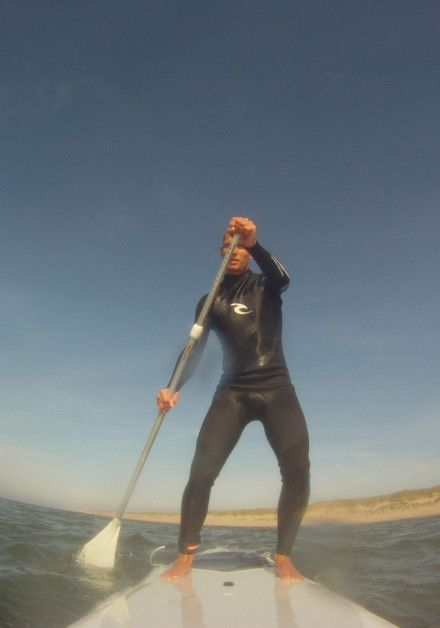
<point>411,504</point>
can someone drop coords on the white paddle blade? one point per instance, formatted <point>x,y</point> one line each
<point>101,550</point>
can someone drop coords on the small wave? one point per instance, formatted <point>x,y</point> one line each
<point>22,552</point>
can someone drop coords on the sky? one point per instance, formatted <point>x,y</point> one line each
<point>130,133</point>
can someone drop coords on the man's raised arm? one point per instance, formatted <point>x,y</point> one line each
<point>270,266</point>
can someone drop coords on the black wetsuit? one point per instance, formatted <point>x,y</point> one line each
<point>255,384</point>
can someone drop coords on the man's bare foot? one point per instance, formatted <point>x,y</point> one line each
<point>185,587</point>
<point>285,570</point>
<point>179,568</point>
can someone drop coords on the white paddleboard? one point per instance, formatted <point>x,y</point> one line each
<point>218,595</point>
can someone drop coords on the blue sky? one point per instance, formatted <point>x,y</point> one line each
<point>131,132</point>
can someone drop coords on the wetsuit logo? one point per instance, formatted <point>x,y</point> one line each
<point>240,308</point>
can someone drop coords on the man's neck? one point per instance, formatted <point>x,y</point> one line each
<point>236,275</point>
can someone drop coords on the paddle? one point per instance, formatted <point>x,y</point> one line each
<point>100,551</point>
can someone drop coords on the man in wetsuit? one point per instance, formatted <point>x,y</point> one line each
<point>255,384</point>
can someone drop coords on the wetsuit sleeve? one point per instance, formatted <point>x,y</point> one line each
<point>271,268</point>
<point>197,350</point>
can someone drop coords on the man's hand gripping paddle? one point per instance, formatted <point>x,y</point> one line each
<point>101,550</point>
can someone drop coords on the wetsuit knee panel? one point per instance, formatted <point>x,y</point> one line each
<point>199,480</point>
<point>294,460</point>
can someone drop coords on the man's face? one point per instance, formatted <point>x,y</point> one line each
<point>240,259</point>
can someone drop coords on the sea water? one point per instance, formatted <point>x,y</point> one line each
<point>391,568</point>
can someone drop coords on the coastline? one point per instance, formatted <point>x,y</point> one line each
<point>398,506</point>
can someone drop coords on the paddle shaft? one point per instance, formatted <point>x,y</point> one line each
<point>178,372</point>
